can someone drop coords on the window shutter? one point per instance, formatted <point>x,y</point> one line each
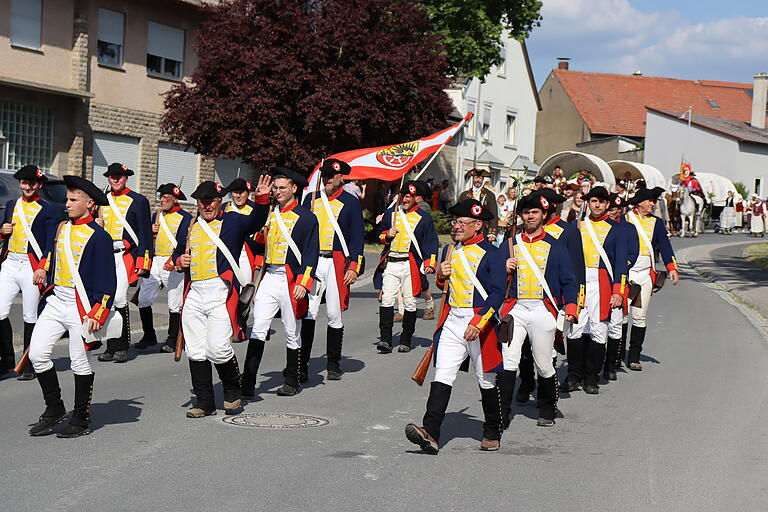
<point>26,21</point>
<point>111,25</point>
<point>109,148</point>
<point>165,41</point>
<point>175,165</point>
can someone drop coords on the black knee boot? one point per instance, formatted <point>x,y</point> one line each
<point>593,362</point>
<point>202,384</point>
<point>575,357</point>
<point>81,415</point>
<point>623,345</point>
<point>437,403</point>
<point>409,327</point>
<point>333,352</point>
<point>121,352</point>
<point>27,373</point>
<point>505,382</point>
<point>229,373</point>
<point>527,374</point>
<point>546,400</point>
<point>174,322</point>
<point>307,340</point>
<point>291,386</point>
<point>251,367</point>
<point>386,320</point>
<point>54,406</point>
<point>147,325</point>
<point>7,354</point>
<point>636,338</point>
<point>492,414</point>
<point>611,358</point>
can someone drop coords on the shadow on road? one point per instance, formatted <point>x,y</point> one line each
<point>115,412</point>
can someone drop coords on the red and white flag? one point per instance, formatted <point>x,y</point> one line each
<point>390,163</point>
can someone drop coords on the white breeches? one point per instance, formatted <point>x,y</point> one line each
<point>60,315</point>
<point>618,318</point>
<point>589,319</point>
<point>245,265</point>
<point>15,277</point>
<point>453,349</point>
<point>532,319</point>
<point>121,293</point>
<point>327,273</point>
<point>640,273</point>
<point>271,297</point>
<point>205,321</point>
<point>397,276</point>
<point>159,278</point>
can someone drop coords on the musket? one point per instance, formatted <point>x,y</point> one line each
<point>187,277</point>
<point>420,373</point>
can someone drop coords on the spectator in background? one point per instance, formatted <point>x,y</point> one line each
<point>558,180</point>
<point>757,224</point>
<point>436,198</point>
<point>356,188</point>
<point>569,190</point>
<point>431,185</point>
<point>575,209</point>
<point>445,198</point>
<point>728,216</point>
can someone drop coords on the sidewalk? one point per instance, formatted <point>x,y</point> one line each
<point>725,265</point>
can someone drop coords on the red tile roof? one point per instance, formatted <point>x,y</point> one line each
<point>615,104</point>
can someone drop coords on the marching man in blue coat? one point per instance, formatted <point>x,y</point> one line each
<point>342,235</point>
<point>652,238</point>
<point>569,234</point>
<point>28,226</point>
<point>126,218</point>
<point>80,275</point>
<point>287,255</point>
<point>472,274</point>
<point>605,270</point>
<point>209,317</point>
<point>410,240</point>
<point>169,227</point>
<point>543,286</point>
<point>240,189</point>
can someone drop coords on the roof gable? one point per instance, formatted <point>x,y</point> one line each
<point>615,104</point>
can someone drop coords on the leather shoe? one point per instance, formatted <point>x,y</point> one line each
<point>591,389</point>
<point>384,347</point>
<point>121,356</point>
<point>287,390</point>
<point>489,445</point>
<point>403,348</point>
<point>544,422</point>
<point>71,431</point>
<point>106,357</point>
<point>197,412</point>
<point>45,424</point>
<point>418,436</point>
<point>636,367</point>
<point>334,375</point>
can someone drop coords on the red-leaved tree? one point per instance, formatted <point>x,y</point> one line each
<point>289,82</point>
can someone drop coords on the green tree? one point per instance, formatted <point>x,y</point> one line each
<point>472,29</point>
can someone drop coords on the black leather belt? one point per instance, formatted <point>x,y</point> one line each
<point>393,258</point>
<point>326,254</point>
<point>117,250</point>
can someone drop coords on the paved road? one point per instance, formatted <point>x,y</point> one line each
<point>687,433</point>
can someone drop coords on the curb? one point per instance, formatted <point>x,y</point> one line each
<point>749,309</point>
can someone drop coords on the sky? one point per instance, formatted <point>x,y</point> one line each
<point>705,39</point>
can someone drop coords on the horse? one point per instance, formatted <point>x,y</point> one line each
<point>691,207</point>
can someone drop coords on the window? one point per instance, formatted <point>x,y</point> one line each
<point>224,171</point>
<point>29,130</point>
<point>109,148</point>
<point>472,125</point>
<point>485,131</point>
<point>110,45</point>
<point>759,186</point>
<point>509,130</point>
<point>165,51</point>
<point>502,69</point>
<point>26,23</point>
<point>713,103</point>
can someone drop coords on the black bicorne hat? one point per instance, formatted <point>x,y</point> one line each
<point>88,187</point>
<point>471,208</point>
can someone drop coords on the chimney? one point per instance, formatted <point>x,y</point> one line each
<point>563,63</point>
<point>759,100</point>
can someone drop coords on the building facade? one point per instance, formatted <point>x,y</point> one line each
<point>500,138</point>
<point>83,87</point>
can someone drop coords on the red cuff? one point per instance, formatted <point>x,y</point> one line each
<point>261,199</point>
<point>383,237</point>
<point>439,282</point>
<point>41,264</point>
<point>573,310</point>
<point>353,266</point>
<point>126,244</point>
<point>621,288</point>
<point>99,313</point>
<point>258,261</point>
<point>259,238</point>
<point>672,266</point>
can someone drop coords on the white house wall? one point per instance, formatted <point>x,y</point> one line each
<point>511,92</point>
<point>666,139</point>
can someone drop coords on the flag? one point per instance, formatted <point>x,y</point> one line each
<point>390,163</point>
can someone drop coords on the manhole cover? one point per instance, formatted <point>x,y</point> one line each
<point>275,420</point>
